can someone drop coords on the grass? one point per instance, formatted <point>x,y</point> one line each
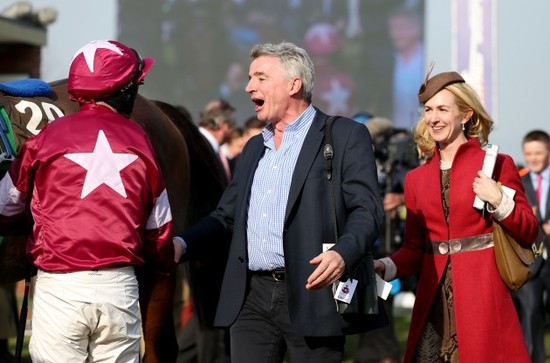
<point>25,357</point>
<point>401,331</point>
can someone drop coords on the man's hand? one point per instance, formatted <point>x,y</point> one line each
<point>330,268</point>
<point>392,201</point>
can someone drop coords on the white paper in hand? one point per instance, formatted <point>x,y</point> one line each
<point>383,288</point>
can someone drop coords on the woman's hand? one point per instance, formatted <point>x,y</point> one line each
<point>487,189</point>
<point>380,268</point>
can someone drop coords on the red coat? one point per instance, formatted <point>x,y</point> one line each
<point>487,325</point>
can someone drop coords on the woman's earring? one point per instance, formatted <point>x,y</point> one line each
<point>464,127</point>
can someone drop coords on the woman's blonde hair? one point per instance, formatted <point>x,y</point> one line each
<point>479,125</point>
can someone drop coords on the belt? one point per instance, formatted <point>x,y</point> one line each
<point>278,274</point>
<point>453,246</point>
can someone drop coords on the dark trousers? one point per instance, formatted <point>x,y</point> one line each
<point>530,308</point>
<point>262,332</point>
<point>201,345</point>
<point>379,344</point>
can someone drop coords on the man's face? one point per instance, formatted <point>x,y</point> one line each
<point>269,89</point>
<point>405,32</point>
<point>536,155</point>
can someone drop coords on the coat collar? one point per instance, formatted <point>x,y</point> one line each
<point>310,150</point>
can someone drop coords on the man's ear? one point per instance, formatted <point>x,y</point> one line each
<point>295,85</point>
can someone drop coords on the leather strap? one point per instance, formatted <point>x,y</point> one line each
<point>459,245</point>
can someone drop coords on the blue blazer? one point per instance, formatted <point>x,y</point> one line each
<point>308,224</point>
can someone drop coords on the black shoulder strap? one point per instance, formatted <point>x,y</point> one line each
<point>328,153</point>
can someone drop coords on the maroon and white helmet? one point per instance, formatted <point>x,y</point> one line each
<point>322,39</point>
<point>101,68</point>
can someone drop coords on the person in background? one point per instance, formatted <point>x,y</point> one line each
<point>100,209</point>
<point>277,289</point>
<point>450,243</point>
<point>199,341</point>
<point>233,147</point>
<point>216,123</point>
<point>379,345</point>
<point>530,298</point>
<point>252,127</point>
<point>405,30</point>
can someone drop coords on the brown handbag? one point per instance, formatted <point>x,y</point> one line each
<point>516,263</point>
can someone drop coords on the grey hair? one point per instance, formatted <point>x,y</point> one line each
<point>295,61</point>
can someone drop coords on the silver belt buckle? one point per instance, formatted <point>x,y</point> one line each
<point>278,275</point>
<point>443,248</point>
<point>455,246</point>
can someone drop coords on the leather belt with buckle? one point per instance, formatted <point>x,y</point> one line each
<point>278,274</point>
<point>458,245</point>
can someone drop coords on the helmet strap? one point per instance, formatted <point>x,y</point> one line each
<point>137,74</point>
<point>123,100</point>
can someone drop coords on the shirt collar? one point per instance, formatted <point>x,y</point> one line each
<point>304,120</point>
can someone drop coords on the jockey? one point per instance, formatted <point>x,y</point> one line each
<point>100,208</point>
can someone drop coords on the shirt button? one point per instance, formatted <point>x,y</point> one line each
<point>264,215</point>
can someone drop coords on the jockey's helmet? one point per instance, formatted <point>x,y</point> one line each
<point>103,68</point>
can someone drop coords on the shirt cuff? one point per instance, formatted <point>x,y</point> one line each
<point>505,207</point>
<point>391,269</point>
<point>178,239</point>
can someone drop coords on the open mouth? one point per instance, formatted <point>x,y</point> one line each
<point>258,102</point>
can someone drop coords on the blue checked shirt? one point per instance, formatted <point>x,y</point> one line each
<point>269,194</point>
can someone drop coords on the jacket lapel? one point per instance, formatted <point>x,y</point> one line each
<point>309,151</point>
<point>257,150</point>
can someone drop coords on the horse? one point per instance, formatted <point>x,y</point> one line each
<point>207,185</point>
<point>28,116</point>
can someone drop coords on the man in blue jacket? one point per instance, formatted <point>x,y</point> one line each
<point>277,289</point>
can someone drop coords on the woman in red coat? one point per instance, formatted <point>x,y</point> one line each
<point>463,310</point>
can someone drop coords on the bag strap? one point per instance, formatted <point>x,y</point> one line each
<point>328,153</point>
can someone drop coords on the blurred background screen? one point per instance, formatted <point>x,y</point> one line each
<point>368,54</point>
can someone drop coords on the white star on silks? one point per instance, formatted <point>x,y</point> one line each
<point>103,166</point>
<point>89,51</point>
<point>336,97</point>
